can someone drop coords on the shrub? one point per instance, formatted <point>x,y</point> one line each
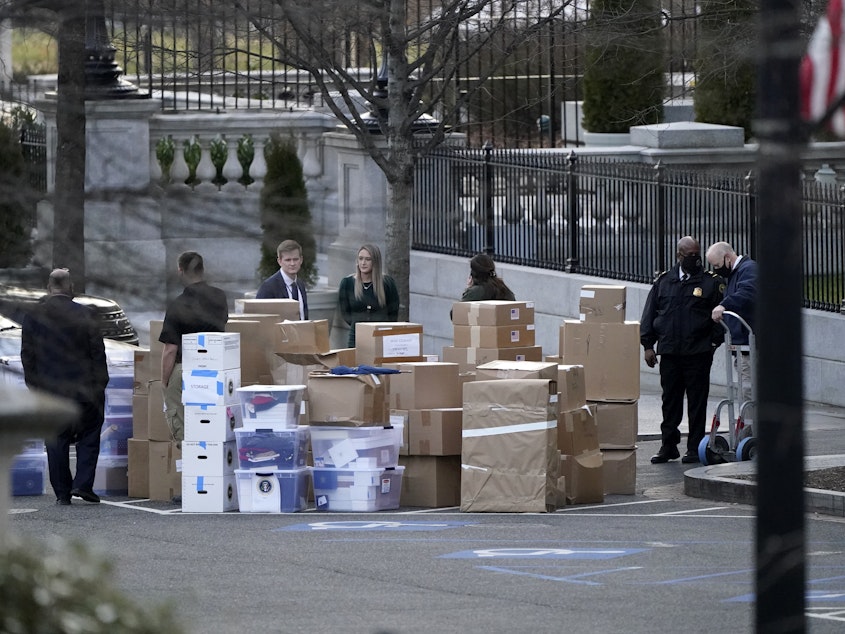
<point>285,214</point>
<point>623,76</point>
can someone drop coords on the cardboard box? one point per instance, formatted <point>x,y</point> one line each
<point>577,432</point>
<point>399,418</point>
<point>143,371</point>
<point>212,422</point>
<point>297,367</point>
<point>283,308</point>
<point>209,458</point>
<point>618,424</point>
<point>431,481</point>
<point>610,354</point>
<point>165,460</point>
<point>602,304</point>
<point>211,350</point>
<point>303,337</point>
<point>620,471</point>
<point>157,428</point>
<point>423,385</point>
<point>253,362</point>
<point>509,457</point>
<point>156,346</point>
<point>431,432</point>
<point>139,468</point>
<point>468,358</point>
<point>572,386</point>
<point>346,399</point>
<point>204,494</point>
<point>140,416</point>
<point>584,478</point>
<point>378,342</point>
<point>492,313</point>
<point>501,369</point>
<point>516,335</point>
<point>210,387</point>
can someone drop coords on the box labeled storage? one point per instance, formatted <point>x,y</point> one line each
<point>584,478</point>
<point>357,490</point>
<point>272,449</point>
<point>210,387</point>
<point>501,369</point>
<point>431,481</point>
<point>212,422</point>
<point>284,308</point>
<point>468,358</point>
<point>492,313</point>
<point>29,474</point>
<point>112,475</point>
<point>602,304</point>
<point>572,386</point>
<point>267,405</point>
<point>273,491</point>
<point>577,432</point>
<point>620,471</point>
<point>433,432</point>
<point>348,400</point>
<point>165,464</point>
<point>618,424</point>
<point>377,343</point>
<point>139,468</point>
<point>206,494</point>
<point>515,335</point>
<point>303,337</point>
<point>208,457</point>
<point>356,447</point>
<point>610,354</point>
<point>423,385</point>
<point>211,350</point>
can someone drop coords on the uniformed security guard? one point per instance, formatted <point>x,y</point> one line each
<point>677,316</point>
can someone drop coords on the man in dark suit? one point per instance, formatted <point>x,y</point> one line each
<point>62,353</point>
<point>284,284</point>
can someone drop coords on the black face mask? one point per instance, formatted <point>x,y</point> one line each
<point>691,263</point>
<point>723,270</point>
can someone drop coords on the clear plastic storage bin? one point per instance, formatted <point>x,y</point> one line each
<point>271,404</point>
<point>357,490</point>
<point>272,449</point>
<point>356,447</point>
<point>273,491</point>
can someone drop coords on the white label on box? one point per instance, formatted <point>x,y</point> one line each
<point>514,336</point>
<point>514,314</point>
<point>401,345</point>
<point>588,294</point>
<point>397,419</point>
<point>342,453</point>
<point>385,485</point>
<point>520,357</point>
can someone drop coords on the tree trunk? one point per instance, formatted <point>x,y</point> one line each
<point>398,233</point>
<point>69,196</point>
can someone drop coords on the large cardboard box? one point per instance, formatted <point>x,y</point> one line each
<point>492,313</point>
<point>303,337</point>
<point>156,347</point>
<point>165,470</point>
<point>143,371</point>
<point>468,358</point>
<point>577,432</point>
<point>501,369</point>
<point>157,428</point>
<point>610,354</point>
<point>431,481</point>
<point>509,457</point>
<point>349,400</point>
<point>620,471</point>
<point>283,308</point>
<point>377,343</point>
<point>424,385</point>
<point>254,361</point>
<point>139,468</point>
<point>602,304</point>
<point>584,478</point>
<point>297,366</point>
<point>211,350</point>
<point>516,335</point>
<point>572,386</point>
<point>618,424</point>
<point>140,416</point>
<point>430,432</point>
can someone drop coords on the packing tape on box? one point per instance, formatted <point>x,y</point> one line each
<point>509,429</point>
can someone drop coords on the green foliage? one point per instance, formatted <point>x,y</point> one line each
<point>219,151</point>
<point>285,214</point>
<point>725,69</point>
<point>246,154</point>
<point>623,78</point>
<point>15,200</point>
<point>165,153</point>
<point>63,589</point>
<point>192,152</point>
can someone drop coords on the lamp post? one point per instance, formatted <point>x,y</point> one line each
<point>102,74</point>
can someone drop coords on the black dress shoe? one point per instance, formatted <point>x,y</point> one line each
<point>665,454</point>
<point>690,457</point>
<point>88,496</point>
<point>63,501</point>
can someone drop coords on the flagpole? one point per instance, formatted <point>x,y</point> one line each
<point>779,425</point>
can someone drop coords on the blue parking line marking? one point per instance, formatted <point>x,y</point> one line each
<point>578,579</point>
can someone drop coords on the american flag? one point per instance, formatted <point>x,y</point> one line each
<point>823,71</point>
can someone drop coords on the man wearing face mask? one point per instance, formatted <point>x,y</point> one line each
<point>740,297</point>
<point>678,318</point>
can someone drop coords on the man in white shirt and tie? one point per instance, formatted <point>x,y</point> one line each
<point>284,284</point>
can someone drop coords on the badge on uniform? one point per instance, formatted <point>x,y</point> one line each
<point>697,291</point>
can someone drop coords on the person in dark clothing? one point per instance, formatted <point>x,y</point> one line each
<point>368,294</point>
<point>284,283</point>
<point>677,317</point>
<point>62,353</point>
<point>200,308</point>
<point>483,283</point>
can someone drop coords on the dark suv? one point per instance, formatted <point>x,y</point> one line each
<point>114,324</point>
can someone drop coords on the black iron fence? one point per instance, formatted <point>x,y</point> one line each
<point>555,210</point>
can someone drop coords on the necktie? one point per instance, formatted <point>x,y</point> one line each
<point>685,277</point>
<point>294,291</point>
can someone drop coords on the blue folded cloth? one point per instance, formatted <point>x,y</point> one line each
<point>362,369</point>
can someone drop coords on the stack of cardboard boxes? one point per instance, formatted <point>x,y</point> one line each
<point>608,347</point>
